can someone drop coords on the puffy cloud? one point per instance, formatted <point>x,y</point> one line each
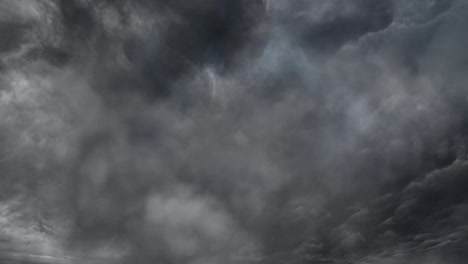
<point>234,131</point>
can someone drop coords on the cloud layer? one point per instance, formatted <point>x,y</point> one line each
<point>325,131</point>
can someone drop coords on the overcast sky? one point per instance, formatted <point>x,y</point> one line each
<point>247,131</point>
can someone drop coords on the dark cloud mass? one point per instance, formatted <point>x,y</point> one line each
<point>249,131</point>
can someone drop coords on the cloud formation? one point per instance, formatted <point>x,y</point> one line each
<point>325,131</point>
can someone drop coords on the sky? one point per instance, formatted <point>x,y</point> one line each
<point>243,132</point>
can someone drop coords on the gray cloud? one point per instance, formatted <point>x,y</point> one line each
<point>233,132</point>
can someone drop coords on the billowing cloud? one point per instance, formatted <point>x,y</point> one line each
<point>325,131</point>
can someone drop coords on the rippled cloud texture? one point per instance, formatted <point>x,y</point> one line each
<point>219,131</point>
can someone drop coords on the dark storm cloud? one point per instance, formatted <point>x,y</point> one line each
<point>233,131</point>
